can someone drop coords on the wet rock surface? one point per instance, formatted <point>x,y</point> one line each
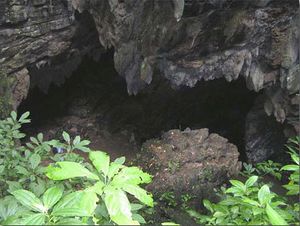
<point>264,138</point>
<point>182,41</point>
<point>189,161</point>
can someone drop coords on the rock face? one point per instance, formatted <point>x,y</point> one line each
<point>190,161</point>
<point>40,39</point>
<point>183,41</point>
<point>263,135</point>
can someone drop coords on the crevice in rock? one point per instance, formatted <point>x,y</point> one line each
<point>94,102</point>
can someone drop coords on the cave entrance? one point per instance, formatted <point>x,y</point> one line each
<point>94,103</point>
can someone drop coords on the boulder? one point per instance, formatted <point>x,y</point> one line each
<point>189,161</point>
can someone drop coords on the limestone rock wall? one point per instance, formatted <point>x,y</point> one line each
<point>188,41</point>
<point>40,39</point>
<point>184,41</point>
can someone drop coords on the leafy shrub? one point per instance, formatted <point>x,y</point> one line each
<point>112,181</point>
<point>253,202</point>
<point>293,185</point>
<point>101,197</point>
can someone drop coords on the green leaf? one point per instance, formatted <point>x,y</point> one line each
<point>40,137</point>
<point>34,160</point>
<point>34,140</point>
<point>139,193</point>
<point>29,200</point>
<point>97,188</point>
<point>23,118</point>
<point>263,194</point>
<point>70,221</point>
<point>67,170</point>
<point>2,168</point>
<point>139,218</point>
<point>22,170</point>
<point>131,175</point>
<point>66,137</point>
<point>68,201</point>
<point>251,181</point>
<point>76,140</point>
<point>274,217</point>
<point>120,160</point>
<point>290,168</point>
<point>34,219</point>
<point>295,158</point>
<point>238,184</point>
<point>118,206</point>
<point>135,206</point>
<point>170,223</point>
<point>250,201</point>
<point>88,202</point>
<point>13,115</point>
<point>52,196</point>
<point>71,212</point>
<point>114,169</point>
<point>100,160</point>
<point>207,204</point>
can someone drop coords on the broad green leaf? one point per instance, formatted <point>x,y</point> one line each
<point>293,189</point>
<point>76,140</point>
<point>70,221</point>
<point>274,217</point>
<point>100,160</point>
<point>29,200</point>
<point>139,218</point>
<point>170,223</point>
<point>131,175</point>
<point>114,169</point>
<point>2,169</point>
<point>34,160</point>
<point>233,190</point>
<point>67,170</point>
<point>120,160</point>
<point>118,206</point>
<point>71,212</point>
<point>251,181</point>
<point>208,205</point>
<point>250,201</point>
<point>238,184</point>
<point>88,202</point>
<point>34,219</point>
<point>263,194</point>
<point>68,201</point>
<point>290,168</point>
<point>97,188</point>
<point>139,193</point>
<point>295,158</point>
<point>52,196</point>
<point>22,170</point>
<point>66,137</point>
<point>85,142</point>
<point>40,137</point>
<point>13,115</point>
<point>34,140</point>
<point>24,117</point>
<point>135,206</point>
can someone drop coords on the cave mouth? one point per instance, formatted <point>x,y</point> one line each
<point>94,103</point>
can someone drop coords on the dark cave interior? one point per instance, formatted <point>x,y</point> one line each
<point>96,88</point>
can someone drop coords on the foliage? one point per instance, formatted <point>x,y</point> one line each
<point>53,208</point>
<point>112,180</point>
<point>252,202</point>
<point>293,185</point>
<point>249,170</point>
<point>269,167</point>
<point>246,203</point>
<point>100,198</point>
